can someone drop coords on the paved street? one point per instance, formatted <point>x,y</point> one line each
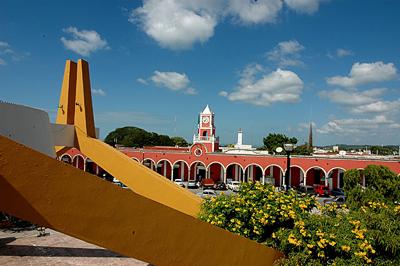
<point>25,248</point>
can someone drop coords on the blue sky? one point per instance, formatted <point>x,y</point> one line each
<point>263,66</point>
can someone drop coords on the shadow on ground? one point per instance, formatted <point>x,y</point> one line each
<point>44,251</point>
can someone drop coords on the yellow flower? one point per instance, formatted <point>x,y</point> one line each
<point>345,248</point>
<point>273,235</point>
<point>310,245</point>
<point>360,254</point>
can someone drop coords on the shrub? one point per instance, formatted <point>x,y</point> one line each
<point>309,234</point>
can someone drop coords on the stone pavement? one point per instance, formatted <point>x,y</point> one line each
<point>25,248</point>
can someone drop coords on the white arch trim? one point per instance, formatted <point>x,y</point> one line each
<point>317,167</point>
<point>170,164</point>
<point>253,164</point>
<point>197,162</point>
<point>236,164</point>
<point>66,154</point>
<point>283,172</point>
<point>334,168</point>
<point>302,170</point>
<point>178,161</point>
<point>149,159</point>
<point>79,155</point>
<point>136,159</point>
<point>215,162</point>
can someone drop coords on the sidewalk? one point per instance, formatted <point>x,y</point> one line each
<point>25,248</point>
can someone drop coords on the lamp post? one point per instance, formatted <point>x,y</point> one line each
<point>289,147</point>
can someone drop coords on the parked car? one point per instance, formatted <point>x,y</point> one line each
<point>321,190</point>
<point>192,184</point>
<point>207,183</point>
<point>234,186</point>
<point>179,182</point>
<point>220,186</point>
<point>337,192</point>
<point>207,193</point>
<point>339,200</point>
<point>306,189</point>
<point>120,184</point>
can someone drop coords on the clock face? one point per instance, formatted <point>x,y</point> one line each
<point>205,120</point>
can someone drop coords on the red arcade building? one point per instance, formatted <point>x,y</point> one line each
<point>204,159</point>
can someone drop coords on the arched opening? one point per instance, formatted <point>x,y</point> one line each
<point>79,162</point>
<point>91,167</point>
<point>296,176</point>
<point>335,178</point>
<point>164,168</point>
<point>253,173</point>
<point>234,172</point>
<point>198,171</point>
<point>150,164</point>
<point>216,172</point>
<point>274,175</point>
<point>136,159</point>
<point>66,158</point>
<point>205,133</point>
<point>316,176</point>
<point>180,171</point>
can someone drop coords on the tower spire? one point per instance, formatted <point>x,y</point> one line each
<point>310,138</point>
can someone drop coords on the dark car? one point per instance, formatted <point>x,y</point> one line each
<point>337,192</point>
<point>306,189</point>
<point>340,200</point>
<point>220,186</point>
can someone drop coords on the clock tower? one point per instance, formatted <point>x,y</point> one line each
<point>206,130</point>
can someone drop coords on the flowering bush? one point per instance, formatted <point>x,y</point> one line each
<point>308,233</point>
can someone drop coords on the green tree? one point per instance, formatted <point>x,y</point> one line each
<point>303,150</point>
<point>381,184</point>
<point>137,137</point>
<point>179,141</point>
<point>381,150</point>
<point>273,140</point>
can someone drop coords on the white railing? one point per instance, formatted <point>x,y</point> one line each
<point>205,138</point>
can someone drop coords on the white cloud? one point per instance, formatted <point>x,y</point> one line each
<point>99,92</point>
<point>173,81</point>
<point>174,24</point>
<point>303,6</point>
<point>305,126</point>
<point>178,24</point>
<point>277,86</point>
<point>83,42</point>
<point>223,93</point>
<point>4,45</point>
<point>378,107</point>
<point>9,53</point>
<point>352,97</point>
<point>190,91</point>
<point>253,12</point>
<point>362,73</point>
<point>143,81</point>
<point>355,125</point>
<point>343,52</point>
<point>286,53</point>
